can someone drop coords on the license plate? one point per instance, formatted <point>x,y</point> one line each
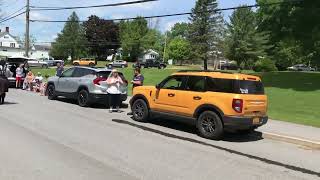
<point>256,120</point>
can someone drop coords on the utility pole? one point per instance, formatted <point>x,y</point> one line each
<point>27,45</point>
<point>165,46</point>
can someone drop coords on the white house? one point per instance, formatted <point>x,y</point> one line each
<point>149,55</point>
<point>10,46</point>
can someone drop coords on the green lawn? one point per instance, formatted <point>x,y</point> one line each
<point>293,96</point>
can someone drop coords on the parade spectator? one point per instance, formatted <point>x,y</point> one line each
<point>19,75</point>
<point>138,78</point>
<point>59,69</point>
<point>114,82</point>
<point>28,81</point>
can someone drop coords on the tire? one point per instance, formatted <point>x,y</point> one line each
<point>210,126</point>
<point>122,66</point>
<point>161,67</point>
<point>51,92</point>
<point>91,65</point>
<point>110,66</point>
<point>142,66</point>
<point>140,110</point>
<point>76,64</point>
<point>83,98</point>
<point>45,66</point>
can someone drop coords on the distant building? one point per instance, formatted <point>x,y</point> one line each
<point>149,55</point>
<point>11,46</point>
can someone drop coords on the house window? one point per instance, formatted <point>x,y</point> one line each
<point>13,45</point>
<point>6,37</point>
<point>4,50</point>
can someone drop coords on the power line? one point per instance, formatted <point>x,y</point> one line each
<point>4,20</point>
<point>38,8</point>
<point>8,16</point>
<point>180,14</point>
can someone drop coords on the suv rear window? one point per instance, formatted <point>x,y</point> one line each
<point>234,86</point>
<point>105,74</point>
<point>251,87</point>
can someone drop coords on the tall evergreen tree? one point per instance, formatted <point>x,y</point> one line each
<point>203,34</point>
<point>71,41</point>
<point>244,43</point>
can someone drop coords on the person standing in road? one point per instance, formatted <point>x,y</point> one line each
<point>59,69</point>
<point>114,82</point>
<point>19,75</point>
<point>137,78</point>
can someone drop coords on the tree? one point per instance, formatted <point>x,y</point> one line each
<point>179,49</point>
<point>294,31</point>
<point>102,36</point>
<point>179,30</point>
<point>71,41</point>
<point>205,22</point>
<point>132,34</point>
<point>244,43</point>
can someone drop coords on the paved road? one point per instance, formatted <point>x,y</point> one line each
<point>59,140</point>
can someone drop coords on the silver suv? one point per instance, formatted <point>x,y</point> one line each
<point>84,84</point>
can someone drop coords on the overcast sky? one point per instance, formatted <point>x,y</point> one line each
<point>48,31</point>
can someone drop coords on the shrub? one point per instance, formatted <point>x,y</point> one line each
<point>264,65</point>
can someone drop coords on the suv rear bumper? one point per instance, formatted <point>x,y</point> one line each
<point>103,98</point>
<point>242,123</point>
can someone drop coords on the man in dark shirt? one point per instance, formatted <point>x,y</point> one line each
<point>59,69</point>
<point>138,78</point>
<point>137,81</point>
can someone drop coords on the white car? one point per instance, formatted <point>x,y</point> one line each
<point>301,67</point>
<point>37,63</point>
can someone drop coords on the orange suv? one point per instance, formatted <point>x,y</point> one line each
<point>85,62</point>
<point>214,101</point>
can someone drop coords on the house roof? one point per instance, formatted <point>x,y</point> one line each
<point>151,51</point>
<point>42,47</point>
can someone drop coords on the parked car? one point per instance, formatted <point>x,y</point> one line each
<point>301,67</point>
<point>150,64</point>
<point>84,84</point>
<point>52,62</point>
<point>118,64</point>
<point>91,62</point>
<point>215,101</point>
<point>229,66</point>
<point>13,63</point>
<point>38,63</point>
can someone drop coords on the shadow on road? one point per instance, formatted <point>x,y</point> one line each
<point>95,106</point>
<point>189,127</point>
<point>8,103</point>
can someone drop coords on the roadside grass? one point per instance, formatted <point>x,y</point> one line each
<point>293,96</point>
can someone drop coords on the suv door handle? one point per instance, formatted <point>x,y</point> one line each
<point>197,98</point>
<point>171,95</point>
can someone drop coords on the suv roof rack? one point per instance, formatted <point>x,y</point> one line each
<point>205,71</point>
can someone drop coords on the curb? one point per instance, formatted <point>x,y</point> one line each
<point>293,140</point>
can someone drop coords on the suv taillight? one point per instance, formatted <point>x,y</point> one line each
<point>97,80</point>
<point>237,105</point>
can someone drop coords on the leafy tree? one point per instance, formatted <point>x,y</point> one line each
<point>71,41</point>
<point>294,29</point>
<point>179,49</point>
<point>244,43</point>
<point>102,36</point>
<point>203,29</point>
<point>179,30</point>
<point>132,34</point>
<point>154,40</point>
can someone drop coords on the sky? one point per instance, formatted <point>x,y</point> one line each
<point>47,32</point>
